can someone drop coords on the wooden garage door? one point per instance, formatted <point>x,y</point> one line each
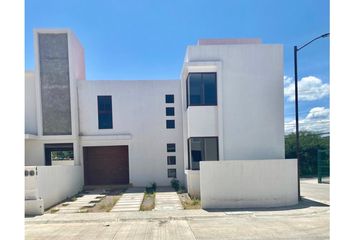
<point>106,165</point>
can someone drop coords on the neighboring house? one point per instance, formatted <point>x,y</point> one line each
<point>228,105</point>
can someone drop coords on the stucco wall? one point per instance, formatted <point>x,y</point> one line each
<point>202,121</point>
<point>193,183</point>
<point>248,183</point>
<point>139,111</point>
<point>34,153</point>
<point>56,183</point>
<point>30,104</point>
<point>250,98</point>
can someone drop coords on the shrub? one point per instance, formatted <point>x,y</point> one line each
<point>151,189</point>
<point>175,184</point>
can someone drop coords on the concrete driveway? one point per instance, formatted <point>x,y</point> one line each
<point>308,220</point>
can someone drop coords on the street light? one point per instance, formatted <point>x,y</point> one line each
<point>296,49</point>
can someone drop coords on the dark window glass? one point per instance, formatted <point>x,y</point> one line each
<point>170,111</point>
<point>171,173</point>
<point>201,89</point>
<point>170,123</point>
<point>209,81</point>
<point>104,104</point>
<point>171,147</point>
<point>202,149</point>
<point>195,89</point>
<point>169,98</point>
<point>171,160</point>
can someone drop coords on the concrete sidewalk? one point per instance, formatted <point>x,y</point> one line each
<point>308,220</point>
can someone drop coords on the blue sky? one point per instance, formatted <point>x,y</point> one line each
<point>147,39</point>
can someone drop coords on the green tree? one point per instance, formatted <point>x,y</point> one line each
<point>310,142</point>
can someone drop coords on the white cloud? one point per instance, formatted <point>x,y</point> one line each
<point>317,120</point>
<point>309,89</point>
<point>287,80</point>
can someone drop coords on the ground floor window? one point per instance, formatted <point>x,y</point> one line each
<point>202,149</point>
<point>171,173</point>
<point>59,154</point>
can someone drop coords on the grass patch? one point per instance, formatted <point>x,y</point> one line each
<point>148,202</point>
<point>189,203</point>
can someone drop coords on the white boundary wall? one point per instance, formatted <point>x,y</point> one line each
<point>193,183</point>
<point>55,183</point>
<point>248,183</point>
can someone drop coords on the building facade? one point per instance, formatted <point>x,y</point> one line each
<point>227,105</point>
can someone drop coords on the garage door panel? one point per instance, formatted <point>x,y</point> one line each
<point>106,165</point>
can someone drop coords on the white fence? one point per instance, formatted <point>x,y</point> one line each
<point>46,186</point>
<point>248,183</point>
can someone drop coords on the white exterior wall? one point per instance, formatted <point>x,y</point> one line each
<point>138,111</point>
<point>193,183</point>
<point>34,153</point>
<point>250,101</point>
<point>248,183</point>
<point>30,104</point>
<point>53,184</point>
<point>202,121</point>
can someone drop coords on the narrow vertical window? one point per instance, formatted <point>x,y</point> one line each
<point>104,104</point>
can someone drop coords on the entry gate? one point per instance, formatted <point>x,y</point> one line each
<point>322,166</point>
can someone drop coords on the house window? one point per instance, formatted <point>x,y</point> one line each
<point>59,154</point>
<point>202,149</point>
<point>169,98</point>
<point>170,123</point>
<point>171,147</point>
<point>170,111</point>
<point>201,89</point>
<point>171,173</point>
<point>171,160</point>
<point>104,104</point>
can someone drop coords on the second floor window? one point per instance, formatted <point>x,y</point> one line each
<point>104,104</point>
<point>201,89</point>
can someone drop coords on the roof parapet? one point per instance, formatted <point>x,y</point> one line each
<point>229,41</point>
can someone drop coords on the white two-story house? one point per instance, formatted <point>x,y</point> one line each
<point>227,105</point>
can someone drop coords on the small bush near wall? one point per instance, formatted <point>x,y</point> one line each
<point>175,184</point>
<point>151,189</point>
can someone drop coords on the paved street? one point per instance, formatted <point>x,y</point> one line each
<point>308,220</point>
<point>312,190</point>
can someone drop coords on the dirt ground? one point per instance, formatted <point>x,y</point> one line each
<point>189,203</point>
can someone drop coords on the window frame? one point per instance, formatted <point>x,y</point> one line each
<point>56,147</point>
<point>169,158</point>
<point>171,121</point>
<point>169,95</point>
<point>171,169</point>
<point>202,89</point>
<point>168,114</point>
<point>171,144</point>
<point>190,165</point>
<point>104,112</point>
